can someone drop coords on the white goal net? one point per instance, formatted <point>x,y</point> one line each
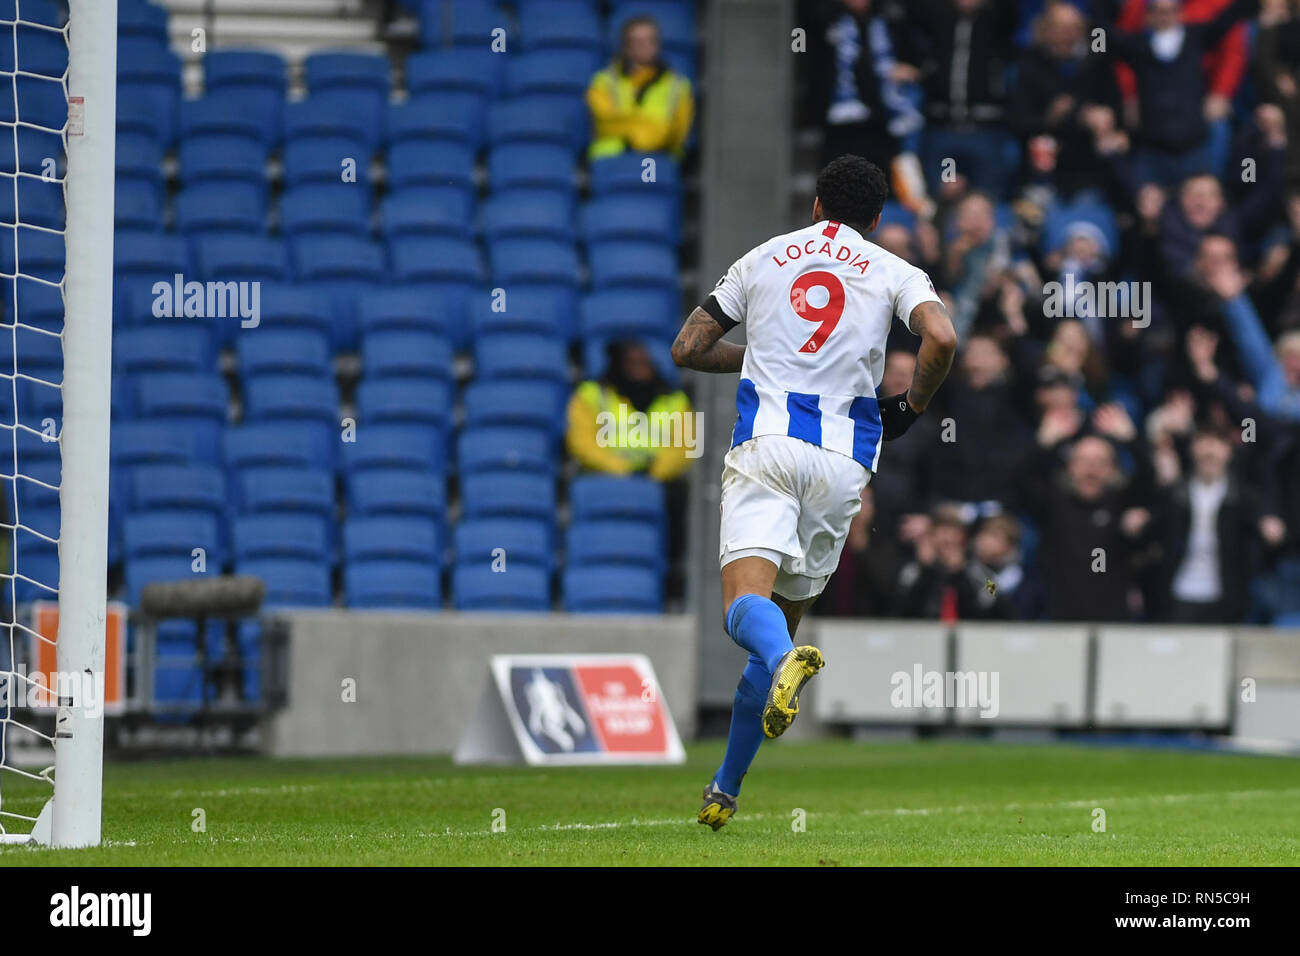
<point>57,79</point>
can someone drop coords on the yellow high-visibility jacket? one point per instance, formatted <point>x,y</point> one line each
<point>660,120</point>
<point>596,443</point>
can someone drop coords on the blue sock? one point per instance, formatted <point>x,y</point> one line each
<point>757,624</point>
<point>746,726</point>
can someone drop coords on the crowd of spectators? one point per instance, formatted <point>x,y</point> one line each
<point>1106,193</point>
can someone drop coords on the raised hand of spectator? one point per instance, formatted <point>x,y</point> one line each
<point>1114,422</point>
<point>1201,346</point>
<point>1226,282</point>
<point>1272,123</point>
<point>1134,520</point>
<point>1058,424</point>
<point>1216,107</point>
<point>1272,529</point>
<point>1150,203</point>
<point>1011,302</point>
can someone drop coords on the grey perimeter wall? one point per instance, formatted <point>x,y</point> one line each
<point>418,677</point>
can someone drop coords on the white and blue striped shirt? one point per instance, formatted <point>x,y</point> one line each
<point>817,304</point>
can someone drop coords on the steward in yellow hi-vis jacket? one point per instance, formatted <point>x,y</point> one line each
<point>637,102</point>
<point>630,421</point>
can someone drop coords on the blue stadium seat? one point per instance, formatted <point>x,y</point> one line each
<point>388,538</point>
<point>291,582</point>
<point>307,398</point>
<point>651,218</point>
<point>243,70</point>
<point>531,165</point>
<point>480,541</point>
<point>336,114</point>
<point>40,306</point>
<point>454,199</point>
<point>515,261</point>
<point>172,534</point>
<point>40,51</point>
<point>397,492</point>
<point>203,159</point>
<point>521,589</point>
<point>325,208</point>
<point>287,306</point>
<point>41,203</point>
<point>276,444</point>
<point>452,117</point>
<point>416,447</point>
<point>514,402</point>
<point>284,352</point>
<point>137,204</point>
<point>631,312</point>
<point>537,310</point>
<point>528,213</point>
<point>143,61</point>
<point>287,491</point>
<point>412,309</point>
<point>392,584</point>
<point>633,264</point>
<point>235,113</point>
<point>152,255</point>
<point>435,259</point>
<point>497,449</point>
<point>139,158</point>
<point>196,488</point>
<point>134,118</point>
<point>41,253</point>
<point>564,71</point>
<point>510,494</point>
<point>162,349</point>
<point>303,537</point>
<point>404,401</point>
<point>537,119</point>
<point>460,22</point>
<point>607,543</point>
<point>430,162</point>
<point>612,590</point>
<point>162,100</point>
<point>142,443</point>
<point>325,159</point>
<point>139,20</point>
<point>430,212</point>
<point>462,69</point>
<point>416,354</point>
<point>633,498</point>
<point>220,207</point>
<point>349,257</point>
<point>240,258</point>
<point>629,172</point>
<point>39,560</point>
<point>511,355</point>
<point>198,401</point>
<point>348,71</point>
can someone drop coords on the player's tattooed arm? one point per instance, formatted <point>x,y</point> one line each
<point>938,345</point>
<point>699,345</point>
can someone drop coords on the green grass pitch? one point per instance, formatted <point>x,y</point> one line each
<point>917,803</point>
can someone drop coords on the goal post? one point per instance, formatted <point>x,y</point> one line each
<point>87,357</point>
<point>57,254</point>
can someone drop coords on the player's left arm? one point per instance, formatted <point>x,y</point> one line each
<point>930,320</point>
<point>699,345</point>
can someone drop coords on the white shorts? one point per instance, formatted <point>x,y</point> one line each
<point>789,501</point>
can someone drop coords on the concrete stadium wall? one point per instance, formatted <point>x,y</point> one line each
<point>418,677</point>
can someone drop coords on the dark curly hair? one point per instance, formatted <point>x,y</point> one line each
<point>852,190</point>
